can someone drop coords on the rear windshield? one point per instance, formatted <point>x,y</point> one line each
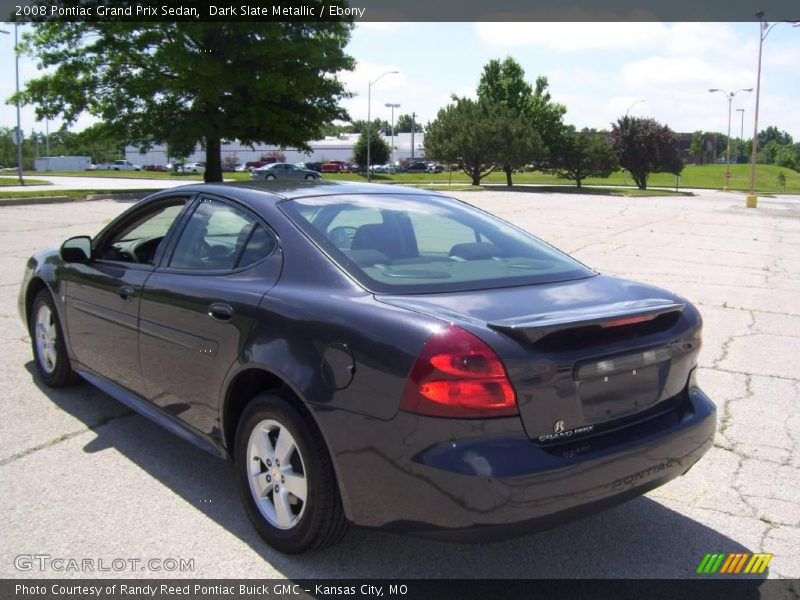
<point>417,244</point>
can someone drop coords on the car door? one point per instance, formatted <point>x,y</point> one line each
<point>292,172</point>
<point>102,296</point>
<point>198,307</point>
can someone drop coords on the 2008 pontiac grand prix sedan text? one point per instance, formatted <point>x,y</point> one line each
<point>376,355</point>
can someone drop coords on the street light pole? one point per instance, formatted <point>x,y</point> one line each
<point>729,96</point>
<point>741,135</point>
<point>634,104</point>
<point>369,121</point>
<point>391,148</point>
<point>19,121</point>
<point>763,31</point>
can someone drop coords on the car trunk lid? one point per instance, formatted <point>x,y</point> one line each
<point>583,356</point>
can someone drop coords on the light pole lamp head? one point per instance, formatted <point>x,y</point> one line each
<point>714,90</point>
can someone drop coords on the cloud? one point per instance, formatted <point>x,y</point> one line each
<point>574,37</point>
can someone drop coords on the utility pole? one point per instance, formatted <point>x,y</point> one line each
<point>413,128</point>
<point>47,142</point>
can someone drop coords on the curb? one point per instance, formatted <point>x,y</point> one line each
<point>123,197</point>
<point>35,200</point>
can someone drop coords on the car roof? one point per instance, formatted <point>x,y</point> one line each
<point>276,191</point>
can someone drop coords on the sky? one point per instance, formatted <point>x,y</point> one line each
<point>597,70</point>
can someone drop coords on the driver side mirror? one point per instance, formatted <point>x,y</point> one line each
<point>77,249</point>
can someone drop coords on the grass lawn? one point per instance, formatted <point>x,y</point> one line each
<point>693,176</point>
<point>125,174</point>
<point>68,193</point>
<point>557,189</point>
<point>15,181</point>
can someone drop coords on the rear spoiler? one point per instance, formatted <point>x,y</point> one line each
<point>535,327</point>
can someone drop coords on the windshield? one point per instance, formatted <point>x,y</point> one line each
<point>416,244</point>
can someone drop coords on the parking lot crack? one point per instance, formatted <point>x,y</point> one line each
<point>63,438</point>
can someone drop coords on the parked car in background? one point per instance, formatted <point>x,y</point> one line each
<point>157,168</point>
<point>336,166</point>
<point>416,167</point>
<point>255,164</point>
<point>377,355</point>
<point>192,167</point>
<point>435,167</point>
<point>282,171</point>
<point>118,165</point>
<point>312,166</point>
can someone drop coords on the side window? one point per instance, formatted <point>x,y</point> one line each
<point>438,234</point>
<point>138,240</point>
<point>219,236</point>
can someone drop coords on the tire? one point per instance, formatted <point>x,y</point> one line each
<point>47,342</point>
<point>270,178</point>
<point>310,177</point>
<point>292,525</point>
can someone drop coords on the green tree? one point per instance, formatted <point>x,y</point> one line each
<point>335,130</point>
<point>644,146</point>
<point>696,147</point>
<point>360,125</point>
<point>503,83</point>
<point>577,156</point>
<point>378,152</point>
<point>404,124</point>
<point>771,134</point>
<point>188,82</point>
<point>787,156</point>
<point>467,133</point>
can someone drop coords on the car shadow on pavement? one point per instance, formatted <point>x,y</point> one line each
<point>639,539</point>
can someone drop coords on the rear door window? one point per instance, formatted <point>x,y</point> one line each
<point>220,236</point>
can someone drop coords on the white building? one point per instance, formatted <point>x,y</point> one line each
<point>331,148</point>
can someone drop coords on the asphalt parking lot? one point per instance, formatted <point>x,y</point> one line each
<point>84,477</point>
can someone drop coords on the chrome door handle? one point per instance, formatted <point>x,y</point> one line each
<point>219,311</point>
<point>126,292</point>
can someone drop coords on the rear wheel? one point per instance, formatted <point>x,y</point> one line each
<point>286,477</point>
<point>47,340</point>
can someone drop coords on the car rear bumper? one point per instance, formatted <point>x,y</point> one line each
<point>486,479</point>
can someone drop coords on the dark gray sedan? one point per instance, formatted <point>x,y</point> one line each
<point>376,355</point>
<point>282,171</point>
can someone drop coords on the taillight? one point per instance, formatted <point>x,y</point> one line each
<point>458,375</point>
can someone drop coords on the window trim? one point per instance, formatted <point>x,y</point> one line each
<point>163,266</point>
<point>112,228</point>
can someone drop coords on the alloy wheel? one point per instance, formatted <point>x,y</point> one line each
<point>276,474</point>
<point>45,333</point>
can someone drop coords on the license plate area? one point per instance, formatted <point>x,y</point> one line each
<point>616,387</point>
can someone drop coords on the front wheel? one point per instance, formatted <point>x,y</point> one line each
<point>286,477</point>
<point>310,177</point>
<point>270,177</point>
<point>47,340</point>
